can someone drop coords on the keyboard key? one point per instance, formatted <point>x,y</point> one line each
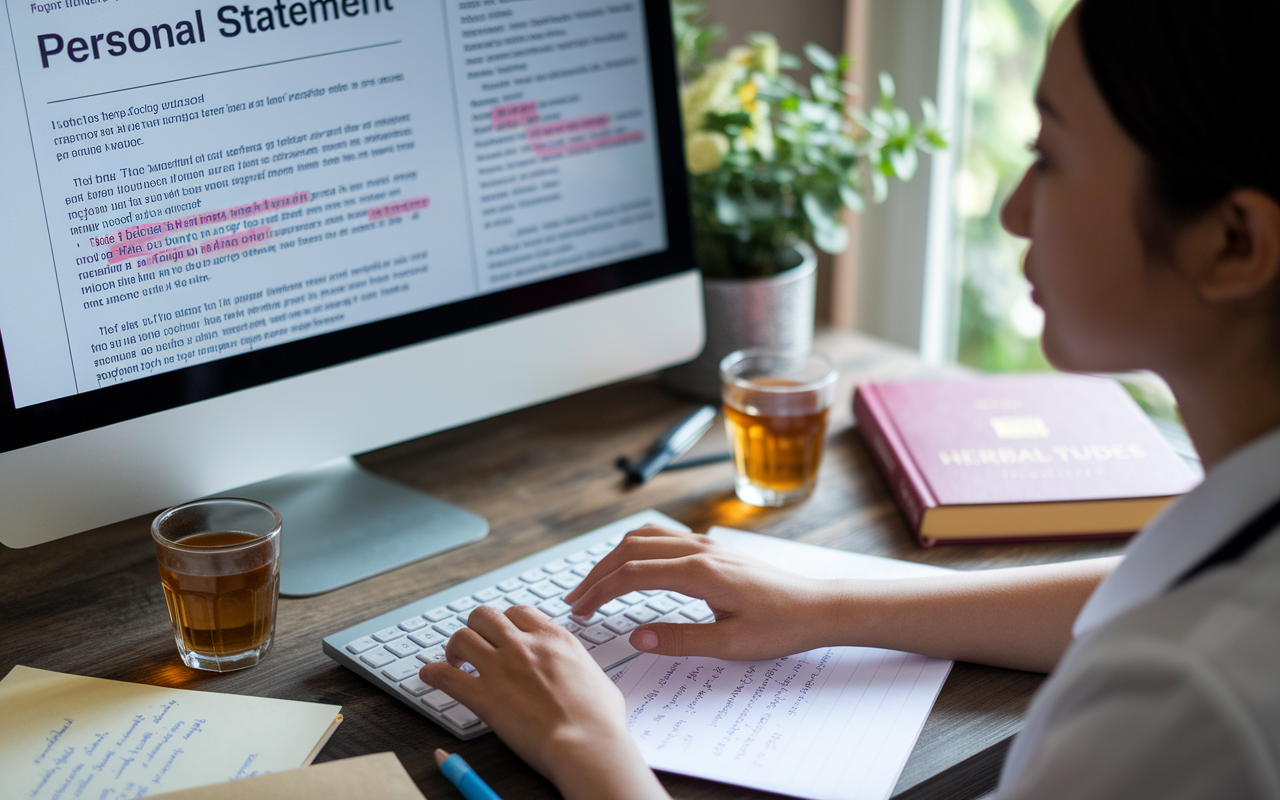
<point>415,686</point>
<point>554,607</point>
<point>377,658</point>
<point>360,645</point>
<point>402,669</point>
<point>662,604</point>
<point>428,638</point>
<point>448,626</point>
<point>568,624</point>
<point>698,612</point>
<point>599,549</point>
<point>462,604</point>
<point>559,565</point>
<point>620,624</point>
<point>438,701</point>
<point>578,557</point>
<point>533,576</point>
<point>583,570</point>
<point>500,605</point>
<point>546,589</point>
<point>485,595</point>
<point>613,607</point>
<point>461,716</point>
<point>595,619</point>
<point>523,598</point>
<point>631,598</point>
<point>641,615</point>
<point>511,584</point>
<point>432,655</point>
<point>614,541</point>
<point>437,614</point>
<point>596,634</point>
<point>680,598</point>
<point>412,624</point>
<point>401,648</point>
<point>567,580</point>
<point>387,634</point>
<point>652,592</point>
<point>463,617</point>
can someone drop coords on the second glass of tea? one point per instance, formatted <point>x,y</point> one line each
<point>775,408</point>
<point>220,569</point>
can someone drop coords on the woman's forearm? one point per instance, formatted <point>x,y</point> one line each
<point>1019,618</point>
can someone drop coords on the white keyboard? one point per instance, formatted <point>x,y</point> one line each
<point>389,649</point>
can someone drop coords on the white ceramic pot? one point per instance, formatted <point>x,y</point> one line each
<point>774,312</point>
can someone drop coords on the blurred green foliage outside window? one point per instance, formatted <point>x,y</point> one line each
<point>999,326</point>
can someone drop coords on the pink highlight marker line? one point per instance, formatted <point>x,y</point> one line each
<point>237,241</point>
<point>513,115</point>
<point>398,208</point>
<point>566,127</point>
<point>133,240</point>
<point>578,146</point>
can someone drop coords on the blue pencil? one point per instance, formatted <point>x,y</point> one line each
<point>461,774</point>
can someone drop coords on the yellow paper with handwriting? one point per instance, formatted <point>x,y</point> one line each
<point>67,737</point>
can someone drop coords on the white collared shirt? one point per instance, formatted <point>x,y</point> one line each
<point>1170,692</point>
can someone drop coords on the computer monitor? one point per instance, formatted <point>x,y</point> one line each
<point>244,242</point>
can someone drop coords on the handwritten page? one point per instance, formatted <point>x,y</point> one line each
<point>836,722</point>
<point>380,775</point>
<point>66,737</point>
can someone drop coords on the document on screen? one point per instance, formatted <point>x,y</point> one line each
<point>190,181</point>
<point>836,722</point>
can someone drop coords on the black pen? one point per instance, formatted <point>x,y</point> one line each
<point>670,445</point>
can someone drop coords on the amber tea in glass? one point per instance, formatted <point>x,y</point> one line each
<point>776,407</point>
<point>220,569</point>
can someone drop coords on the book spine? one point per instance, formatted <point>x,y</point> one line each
<point>892,457</point>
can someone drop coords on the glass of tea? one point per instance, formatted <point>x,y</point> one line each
<point>775,410</point>
<point>220,569</point>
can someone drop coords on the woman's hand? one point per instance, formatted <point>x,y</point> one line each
<point>548,700</point>
<point>761,611</point>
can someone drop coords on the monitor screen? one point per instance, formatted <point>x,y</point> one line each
<point>201,199</point>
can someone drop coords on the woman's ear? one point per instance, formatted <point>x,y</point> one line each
<point>1232,254</point>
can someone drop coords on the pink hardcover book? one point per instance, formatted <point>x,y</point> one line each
<point>1044,456</point>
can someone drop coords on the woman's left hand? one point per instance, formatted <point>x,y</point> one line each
<point>544,696</point>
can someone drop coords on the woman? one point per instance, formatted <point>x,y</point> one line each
<point>1154,232</point>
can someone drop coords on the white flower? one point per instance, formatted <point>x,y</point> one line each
<point>712,91</point>
<point>705,151</point>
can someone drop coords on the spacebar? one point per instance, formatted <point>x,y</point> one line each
<point>613,652</point>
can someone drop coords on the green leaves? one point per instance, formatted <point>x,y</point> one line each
<point>819,57</point>
<point>798,154</point>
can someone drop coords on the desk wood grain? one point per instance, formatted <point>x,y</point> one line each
<point>92,604</point>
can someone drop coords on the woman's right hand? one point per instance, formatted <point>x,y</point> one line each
<point>760,611</point>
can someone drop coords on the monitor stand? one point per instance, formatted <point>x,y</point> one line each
<point>343,524</point>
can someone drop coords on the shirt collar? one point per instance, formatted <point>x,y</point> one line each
<point>1188,530</point>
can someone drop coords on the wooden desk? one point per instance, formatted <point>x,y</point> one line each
<point>92,604</point>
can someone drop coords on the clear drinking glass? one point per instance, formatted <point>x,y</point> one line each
<point>220,569</point>
<point>775,410</point>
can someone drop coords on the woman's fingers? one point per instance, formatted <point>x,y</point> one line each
<point>467,645</point>
<point>527,618</point>
<point>685,574</point>
<point>461,686</point>
<point>649,542</point>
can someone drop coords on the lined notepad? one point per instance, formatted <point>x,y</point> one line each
<point>832,723</point>
<point>67,736</point>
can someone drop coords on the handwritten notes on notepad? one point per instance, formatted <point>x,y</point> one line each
<point>837,722</point>
<point>64,737</point>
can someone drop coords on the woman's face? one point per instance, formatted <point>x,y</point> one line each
<point>1106,309</point>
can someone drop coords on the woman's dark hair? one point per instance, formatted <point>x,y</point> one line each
<point>1196,84</point>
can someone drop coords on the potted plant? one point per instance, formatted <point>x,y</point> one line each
<point>772,164</point>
